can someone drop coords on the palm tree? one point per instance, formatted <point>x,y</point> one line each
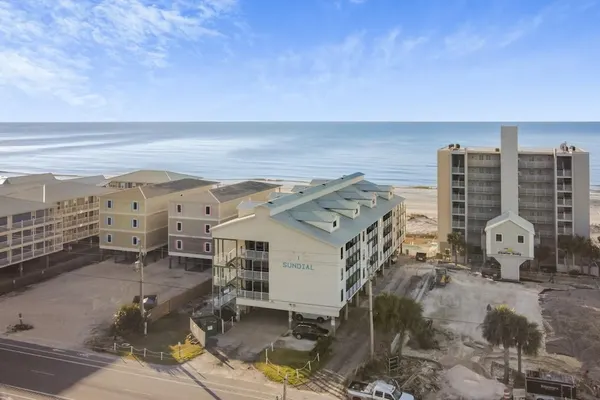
<point>541,253</point>
<point>457,243</point>
<point>528,339</point>
<point>498,328</point>
<point>393,314</point>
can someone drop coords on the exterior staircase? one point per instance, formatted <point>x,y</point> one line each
<point>327,382</point>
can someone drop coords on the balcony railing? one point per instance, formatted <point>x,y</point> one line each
<point>564,188</point>
<point>536,178</point>
<point>459,211</point>
<point>484,189</point>
<point>565,216</point>
<point>564,202</point>
<point>483,176</point>
<point>458,170</point>
<point>483,163</point>
<point>482,216</point>
<point>459,184</point>
<point>484,203</point>
<point>539,219</point>
<point>565,231</point>
<point>564,173</point>
<point>458,224</point>
<point>27,223</point>
<point>255,255</point>
<point>81,207</point>
<point>249,294</point>
<point>546,233</point>
<point>536,191</point>
<point>253,275</point>
<point>223,259</point>
<point>458,197</point>
<point>20,257</point>
<point>534,205</point>
<point>536,164</point>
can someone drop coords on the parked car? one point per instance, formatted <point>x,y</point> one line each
<point>376,390</point>
<point>319,318</point>
<point>309,331</point>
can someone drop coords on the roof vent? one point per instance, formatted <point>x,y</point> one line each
<point>573,148</point>
<point>497,149</point>
<point>300,192</point>
<point>450,146</point>
<point>457,145</point>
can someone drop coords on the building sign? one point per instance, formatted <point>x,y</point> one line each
<point>509,252</point>
<point>294,265</point>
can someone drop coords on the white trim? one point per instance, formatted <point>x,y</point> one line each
<point>135,241</point>
<point>130,249</point>
<point>209,228</point>
<point>496,238</point>
<point>209,208</point>
<point>109,218</point>
<point>133,232</point>
<point>135,206</point>
<point>109,236</point>
<point>177,234</point>
<point>109,204</point>
<point>201,218</point>
<point>190,255</point>
<point>179,226</point>
<point>179,208</point>
<point>521,236</point>
<point>179,244</point>
<point>209,247</point>
<point>103,211</point>
<point>137,223</point>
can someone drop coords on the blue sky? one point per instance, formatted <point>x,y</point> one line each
<point>196,60</point>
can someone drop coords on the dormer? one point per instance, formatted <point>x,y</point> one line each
<point>316,216</point>
<point>383,191</point>
<point>363,198</point>
<point>335,203</point>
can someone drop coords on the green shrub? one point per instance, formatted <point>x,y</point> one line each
<point>128,319</point>
<point>323,347</point>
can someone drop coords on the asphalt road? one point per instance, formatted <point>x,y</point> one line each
<point>31,372</point>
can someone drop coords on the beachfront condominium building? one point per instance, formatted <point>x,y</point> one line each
<point>193,215</point>
<point>76,204</point>
<point>28,230</point>
<point>146,177</point>
<point>137,218</point>
<point>310,251</point>
<point>549,187</point>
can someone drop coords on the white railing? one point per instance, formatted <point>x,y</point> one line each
<point>224,258</point>
<point>482,216</point>
<point>458,170</point>
<point>220,301</point>
<point>565,216</point>
<point>564,188</point>
<point>536,192</point>
<point>565,231</point>
<point>459,211</point>
<point>484,176</point>
<point>564,173</point>
<point>536,164</point>
<point>458,197</point>
<point>484,189</point>
<point>546,233</point>
<point>564,202</point>
<point>460,184</point>
<point>27,223</point>
<point>539,219</point>
<point>484,203</point>
<point>255,255</point>
<point>536,205</point>
<point>254,275</point>
<point>536,178</point>
<point>484,163</point>
<point>81,207</point>
<point>249,294</point>
<point>457,224</point>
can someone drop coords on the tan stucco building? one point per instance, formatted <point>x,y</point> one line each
<point>144,177</point>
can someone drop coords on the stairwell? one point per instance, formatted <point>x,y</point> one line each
<point>327,382</point>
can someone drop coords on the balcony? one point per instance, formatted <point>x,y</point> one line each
<point>81,208</point>
<point>564,230</point>
<point>249,294</point>
<point>458,197</point>
<point>223,280</point>
<point>492,163</point>
<point>536,164</point>
<point>34,253</point>
<point>459,211</point>
<point>563,173</point>
<point>484,203</point>
<point>536,191</point>
<point>458,224</point>
<point>483,216</point>
<point>484,189</point>
<point>535,178</point>
<point>535,205</point>
<point>564,216</point>
<point>564,202</point>
<point>254,255</point>
<point>564,188</point>
<point>546,233</point>
<point>254,275</point>
<point>458,170</point>
<point>483,177</point>
<point>80,222</point>
<point>27,223</point>
<point>458,184</point>
<point>539,219</point>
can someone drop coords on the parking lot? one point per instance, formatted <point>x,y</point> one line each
<point>66,309</point>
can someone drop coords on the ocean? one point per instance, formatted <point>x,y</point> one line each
<point>388,153</point>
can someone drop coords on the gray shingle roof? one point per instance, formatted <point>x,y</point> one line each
<point>12,206</point>
<point>150,176</point>
<point>30,179</point>
<point>240,190</point>
<point>97,180</point>
<point>59,190</point>
<point>162,189</point>
<point>510,216</point>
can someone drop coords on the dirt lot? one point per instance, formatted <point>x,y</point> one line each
<point>65,310</point>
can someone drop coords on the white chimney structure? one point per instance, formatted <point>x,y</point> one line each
<point>509,237</point>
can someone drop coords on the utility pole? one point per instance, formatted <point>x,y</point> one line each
<point>285,387</point>
<point>140,267</point>
<point>371,330</point>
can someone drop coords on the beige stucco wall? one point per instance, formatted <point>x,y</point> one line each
<point>581,194</point>
<point>444,196</point>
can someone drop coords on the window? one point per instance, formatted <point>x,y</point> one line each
<point>521,239</point>
<point>109,221</point>
<point>109,238</point>
<point>341,253</point>
<point>342,273</point>
<point>108,203</point>
<point>179,245</point>
<point>179,208</point>
<point>207,247</point>
<point>378,394</point>
<point>342,295</point>
<point>334,224</point>
<point>388,397</point>
<point>135,241</point>
<point>134,223</point>
<point>206,228</point>
<point>179,226</point>
<point>135,206</point>
<point>498,237</point>
<point>207,210</point>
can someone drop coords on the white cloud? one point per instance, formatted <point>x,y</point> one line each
<point>51,46</point>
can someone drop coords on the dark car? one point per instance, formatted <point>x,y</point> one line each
<point>309,331</point>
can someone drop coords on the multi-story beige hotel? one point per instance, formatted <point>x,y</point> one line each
<point>308,252</point>
<point>548,187</point>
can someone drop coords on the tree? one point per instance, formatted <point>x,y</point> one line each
<point>528,338</point>
<point>498,328</point>
<point>128,319</point>
<point>567,245</point>
<point>393,314</point>
<point>457,244</point>
<point>541,253</point>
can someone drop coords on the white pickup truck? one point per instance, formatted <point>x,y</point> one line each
<point>376,390</point>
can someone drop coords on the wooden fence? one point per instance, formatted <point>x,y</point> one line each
<point>178,301</point>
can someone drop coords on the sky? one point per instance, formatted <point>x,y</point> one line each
<point>299,60</point>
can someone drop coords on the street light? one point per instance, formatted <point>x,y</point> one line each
<point>139,267</point>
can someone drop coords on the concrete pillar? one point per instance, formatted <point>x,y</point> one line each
<point>179,260</point>
<point>333,326</point>
<point>47,261</point>
<point>356,299</point>
<point>185,264</point>
<point>346,311</point>
<point>20,269</point>
<point>290,319</point>
<point>170,260</point>
<point>237,312</point>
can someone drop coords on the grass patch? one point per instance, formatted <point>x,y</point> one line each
<point>284,362</point>
<point>164,336</point>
